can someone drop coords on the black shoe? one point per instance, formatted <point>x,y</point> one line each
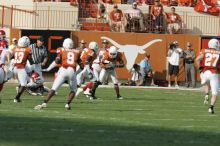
<point>211,110</point>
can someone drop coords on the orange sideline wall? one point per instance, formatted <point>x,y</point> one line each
<point>157,50</point>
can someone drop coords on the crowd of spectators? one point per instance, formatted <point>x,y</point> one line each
<point>133,19</point>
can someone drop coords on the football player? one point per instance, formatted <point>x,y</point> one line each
<point>88,56</point>
<point>3,57</point>
<point>21,54</point>
<point>96,69</point>
<point>110,61</point>
<point>69,58</point>
<point>208,61</point>
<point>34,87</point>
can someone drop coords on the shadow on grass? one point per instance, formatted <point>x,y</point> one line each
<point>29,131</point>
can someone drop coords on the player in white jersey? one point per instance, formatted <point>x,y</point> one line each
<point>208,62</point>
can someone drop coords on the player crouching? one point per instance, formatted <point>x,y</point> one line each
<point>68,57</point>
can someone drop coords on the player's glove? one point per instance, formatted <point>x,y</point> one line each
<point>201,69</point>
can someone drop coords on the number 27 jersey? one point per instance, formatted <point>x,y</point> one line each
<point>210,59</point>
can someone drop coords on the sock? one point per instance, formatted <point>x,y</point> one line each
<point>52,65</point>
<point>68,102</point>
<point>45,101</point>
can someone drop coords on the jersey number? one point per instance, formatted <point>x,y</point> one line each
<point>70,58</point>
<point>211,59</point>
<point>19,57</point>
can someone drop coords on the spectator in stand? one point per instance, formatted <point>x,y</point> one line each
<point>14,44</point>
<point>165,2</point>
<point>157,14</point>
<point>189,56</point>
<point>146,71</point>
<point>116,17</point>
<point>134,14</point>
<point>187,3</point>
<point>149,2</point>
<point>107,1</point>
<point>173,2</point>
<point>174,22</point>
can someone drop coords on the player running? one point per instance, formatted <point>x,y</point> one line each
<point>207,61</point>
<point>69,58</point>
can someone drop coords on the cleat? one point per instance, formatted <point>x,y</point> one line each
<point>177,86</point>
<point>67,106</point>
<point>169,85</point>
<point>92,97</point>
<point>211,110</point>
<point>17,100</point>
<point>206,99</point>
<point>120,98</point>
<point>40,106</point>
<point>79,90</point>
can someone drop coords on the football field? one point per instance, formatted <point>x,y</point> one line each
<point>145,117</point>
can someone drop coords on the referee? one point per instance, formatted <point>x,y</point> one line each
<point>39,57</point>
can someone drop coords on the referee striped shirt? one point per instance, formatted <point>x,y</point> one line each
<point>38,53</point>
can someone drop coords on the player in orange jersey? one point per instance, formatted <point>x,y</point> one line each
<point>69,58</point>
<point>209,76</point>
<point>21,54</point>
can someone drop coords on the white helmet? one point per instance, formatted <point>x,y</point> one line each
<point>94,46</point>
<point>68,43</point>
<point>24,41</point>
<point>213,43</point>
<point>113,52</point>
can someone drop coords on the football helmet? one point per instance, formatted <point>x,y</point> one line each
<point>213,43</point>
<point>113,52</point>
<point>68,43</point>
<point>24,41</point>
<point>2,34</point>
<point>3,43</point>
<point>35,77</point>
<point>93,46</point>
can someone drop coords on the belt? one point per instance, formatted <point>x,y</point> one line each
<point>189,62</point>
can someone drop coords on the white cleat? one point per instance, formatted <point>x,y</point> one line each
<point>67,106</point>
<point>17,100</point>
<point>79,90</point>
<point>206,100</point>
<point>120,98</point>
<point>169,86</point>
<point>40,106</point>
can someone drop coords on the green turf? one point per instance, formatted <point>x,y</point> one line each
<point>144,117</point>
